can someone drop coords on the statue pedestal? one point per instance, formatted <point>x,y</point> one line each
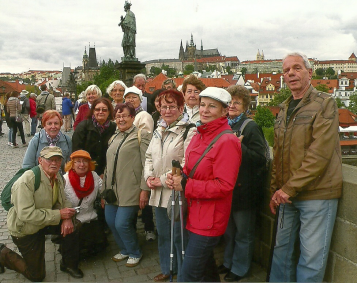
<point>129,68</point>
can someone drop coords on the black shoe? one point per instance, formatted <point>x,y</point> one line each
<point>231,277</point>
<point>74,272</point>
<point>222,269</point>
<point>2,268</point>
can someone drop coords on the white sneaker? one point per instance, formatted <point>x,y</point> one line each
<point>9,143</point>
<point>150,236</point>
<point>133,261</point>
<point>119,257</point>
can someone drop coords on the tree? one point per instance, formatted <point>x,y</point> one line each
<point>339,103</point>
<point>263,117</point>
<point>330,72</point>
<point>155,70</point>
<point>279,97</point>
<point>353,103</point>
<point>322,87</point>
<point>255,71</point>
<point>229,71</point>
<point>320,72</point>
<point>244,70</point>
<point>171,72</point>
<point>188,69</point>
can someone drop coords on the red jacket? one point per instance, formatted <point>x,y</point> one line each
<point>209,192</point>
<point>82,114</point>
<point>33,112</point>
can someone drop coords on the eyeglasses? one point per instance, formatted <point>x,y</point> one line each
<point>101,109</point>
<point>122,116</point>
<point>165,108</point>
<point>53,160</point>
<point>235,103</point>
<point>79,161</point>
<point>131,97</point>
<point>118,90</point>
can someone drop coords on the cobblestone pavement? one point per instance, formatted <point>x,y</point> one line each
<point>99,268</point>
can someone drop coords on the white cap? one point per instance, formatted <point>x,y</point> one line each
<point>134,90</point>
<point>218,94</point>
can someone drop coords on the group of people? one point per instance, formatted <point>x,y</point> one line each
<point>120,158</point>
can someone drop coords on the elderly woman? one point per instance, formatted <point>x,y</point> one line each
<point>116,91</point>
<point>155,101</point>
<point>81,189</point>
<point>123,174</point>
<point>239,235</point>
<point>13,107</point>
<point>143,119</point>
<point>191,88</point>
<point>169,142</point>
<point>91,93</point>
<point>209,190</point>
<point>50,135</point>
<point>94,133</point>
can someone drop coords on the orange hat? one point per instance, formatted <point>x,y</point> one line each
<point>81,153</point>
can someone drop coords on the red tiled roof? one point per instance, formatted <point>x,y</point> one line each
<point>335,62</point>
<point>347,118</point>
<point>331,84</point>
<point>229,78</point>
<point>349,75</point>
<point>352,55</point>
<point>155,83</point>
<point>211,59</point>
<point>348,142</point>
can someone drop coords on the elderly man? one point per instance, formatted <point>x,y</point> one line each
<point>37,213</point>
<point>306,178</point>
<point>140,81</point>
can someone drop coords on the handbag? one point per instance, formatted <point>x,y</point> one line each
<point>183,198</point>
<point>18,118</point>
<point>109,194</point>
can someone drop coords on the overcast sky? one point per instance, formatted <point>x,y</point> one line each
<point>44,35</point>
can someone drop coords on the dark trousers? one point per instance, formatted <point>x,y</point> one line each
<point>199,264</point>
<point>15,126</point>
<point>32,248</point>
<point>147,218</point>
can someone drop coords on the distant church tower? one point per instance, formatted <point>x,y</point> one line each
<point>181,52</point>
<point>260,56</point>
<point>85,59</point>
<point>90,64</point>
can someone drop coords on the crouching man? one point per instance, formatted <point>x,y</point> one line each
<point>39,212</point>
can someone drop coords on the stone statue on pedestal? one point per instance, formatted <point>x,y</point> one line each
<point>128,26</point>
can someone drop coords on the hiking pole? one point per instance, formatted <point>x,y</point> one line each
<point>178,172</point>
<point>273,243</point>
<point>172,230</point>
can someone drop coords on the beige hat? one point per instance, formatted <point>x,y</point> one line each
<point>24,92</point>
<point>134,90</point>
<point>218,94</point>
<point>49,151</point>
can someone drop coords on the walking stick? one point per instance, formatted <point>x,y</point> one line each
<point>172,230</point>
<point>273,243</point>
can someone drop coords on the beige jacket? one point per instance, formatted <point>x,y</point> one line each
<point>33,210</point>
<point>143,120</point>
<point>307,153</point>
<point>166,145</point>
<point>12,105</point>
<point>129,179</point>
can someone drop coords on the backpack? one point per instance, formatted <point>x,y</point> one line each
<point>41,107</point>
<point>6,192</point>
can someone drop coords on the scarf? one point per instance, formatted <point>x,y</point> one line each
<point>75,181</point>
<point>139,109</point>
<point>53,141</point>
<point>231,122</point>
<point>183,117</point>
<point>101,128</point>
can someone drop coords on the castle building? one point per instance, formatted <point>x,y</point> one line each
<point>89,66</point>
<point>191,52</point>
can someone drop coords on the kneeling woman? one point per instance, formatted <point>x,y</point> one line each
<point>82,188</point>
<point>123,175</point>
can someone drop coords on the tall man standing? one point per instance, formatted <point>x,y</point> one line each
<point>306,176</point>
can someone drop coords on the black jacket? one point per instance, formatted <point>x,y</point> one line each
<point>247,188</point>
<point>87,137</point>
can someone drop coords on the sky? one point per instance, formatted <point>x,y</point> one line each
<point>47,35</point>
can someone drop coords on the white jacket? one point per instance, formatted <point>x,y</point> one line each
<point>166,145</point>
<point>87,211</point>
<point>143,120</point>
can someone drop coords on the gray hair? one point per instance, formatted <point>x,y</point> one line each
<point>139,76</point>
<point>33,94</point>
<point>93,88</point>
<point>302,56</point>
<point>113,84</point>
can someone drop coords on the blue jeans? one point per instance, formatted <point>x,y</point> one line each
<point>33,125</point>
<point>163,226</point>
<point>121,221</point>
<point>310,222</point>
<point>10,134</point>
<point>239,237</point>
<point>199,264</point>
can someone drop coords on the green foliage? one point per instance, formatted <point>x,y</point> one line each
<point>264,118</point>
<point>339,103</point>
<point>255,71</point>
<point>155,70</point>
<point>210,68</point>
<point>229,70</point>
<point>319,72</point>
<point>171,72</point>
<point>107,74</point>
<point>279,97</point>
<point>330,71</point>
<point>353,104</point>
<point>323,88</point>
<point>188,69</point>
<point>244,70</point>
<point>269,135</point>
